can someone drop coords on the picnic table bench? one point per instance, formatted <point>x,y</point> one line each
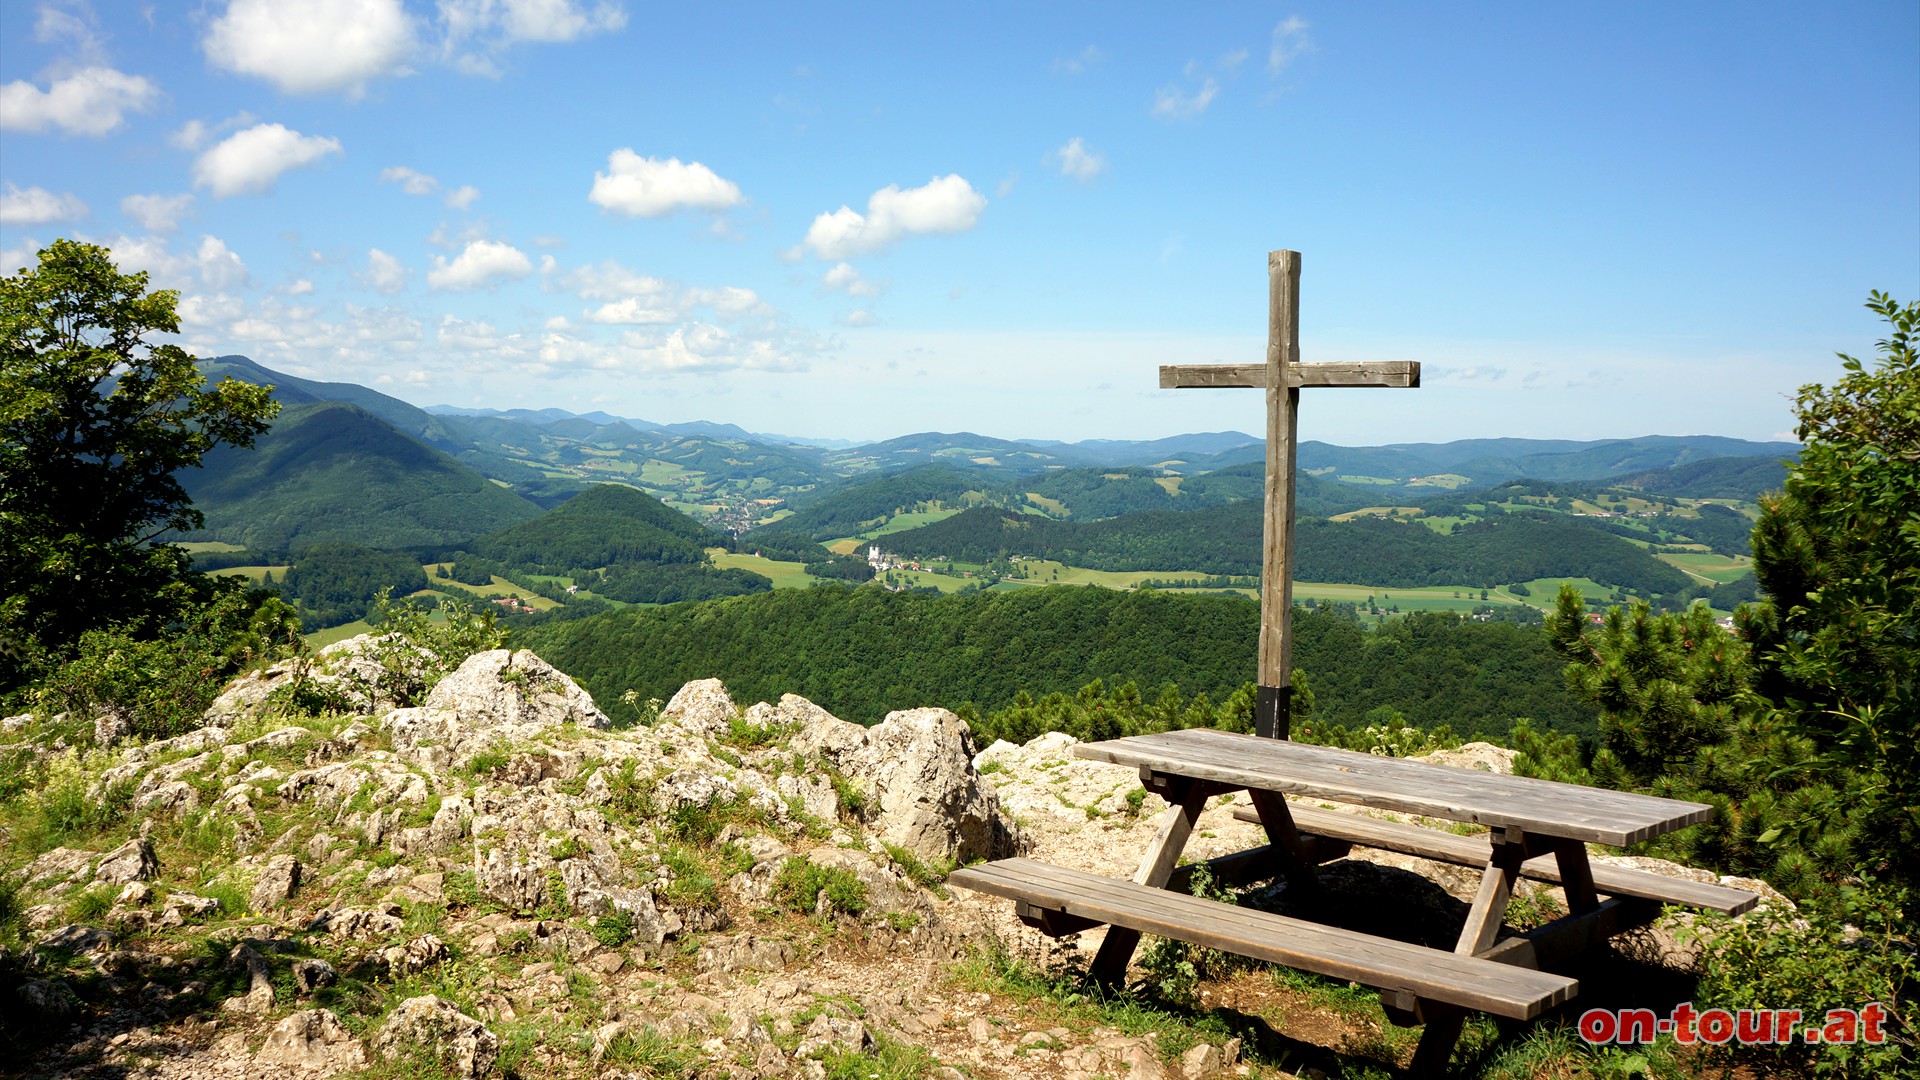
<point>1538,829</point>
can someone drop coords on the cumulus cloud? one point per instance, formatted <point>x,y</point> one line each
<point>1173,103</point>
<point>37,206</point>
<point>1077,161</point>
<point>483,262</point>
<point>157,213</point>
<point>90,101</point>
<point>609,280</point>
<point>476,30</point>
<point>844,278</point>
<point>248,162</point>
<point>1290,40</point>
<point>463,197</point>
<point>219,267</point>
<point>314,46</point>
<point>945,204</point>
<point>636,311</point>
<point>649,187</point>
<point>411,181</point>
<point>858,318</point>
<point>386,274</point>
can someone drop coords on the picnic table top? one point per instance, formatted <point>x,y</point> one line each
<point>1546,807</point>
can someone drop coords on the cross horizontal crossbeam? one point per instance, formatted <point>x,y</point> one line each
<point>1394,373</point>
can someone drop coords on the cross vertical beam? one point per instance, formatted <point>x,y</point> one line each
<point>1273,705</point>
<point>1282,376</point>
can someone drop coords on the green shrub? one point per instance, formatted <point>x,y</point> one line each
<point>1859,950</point>
<point>88,905</point>
<point>693,884</point>
<point>613,930</point>
<point>801,883</point>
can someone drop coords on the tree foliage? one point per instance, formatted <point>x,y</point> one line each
<point>95,423</point>
<point>1804,729</point>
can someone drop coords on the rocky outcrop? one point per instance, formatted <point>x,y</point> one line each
<point>314,1040</point>
<point>916,768</point>
<point>439,1028</point>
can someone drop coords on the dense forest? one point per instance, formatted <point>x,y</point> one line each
<point>602,526</point>
<point>333,583</point>
<point>864,652</point>
<point>1376,551</point>
<point>845,510</point>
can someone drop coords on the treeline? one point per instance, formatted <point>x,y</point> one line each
<point>335,583</point>
<point>844,511</point>
<point>1377,551</point>
<point>862,653</point>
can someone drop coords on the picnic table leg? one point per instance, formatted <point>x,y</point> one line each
<point>1176,824</point>
<point>1277,820</point>
<point>1510,850</point>
<point>1576,876</point>
<point>1431,1053</point>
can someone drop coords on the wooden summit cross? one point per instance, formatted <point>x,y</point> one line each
<point>1282,376</point>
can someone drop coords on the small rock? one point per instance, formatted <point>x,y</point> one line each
<point>313,1039</point>
<point>312,975</point>
<point>136,894</point>
<point>1202,1061</point>
<point>702,707</point>
<point>130,862</point>
<point>276,882</point>
<point>434,1023</point>
<point>415,956</point>
<point>831,1032</point>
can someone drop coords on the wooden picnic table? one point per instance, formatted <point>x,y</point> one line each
<point>1538,828</point>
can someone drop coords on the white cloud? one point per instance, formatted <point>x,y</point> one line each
<point>611,281</point>
<point>1172,103</point>
<point>635,311</point>
<point>37,206</point>
<point>945,204</point>
<point>463,197</point>
<point>476,30</point>
<point>312,46</point>
<point>410,181</point>
<point>844,278</point>
<point>730,301</point>
<point>20,257</point>
<point>476,335</point>
<point>1079,63</point>
<point>649,187</point>
<point>90,101</point>
<point>203,311</point>
<point>300,287</point>
<point>1290,40</point>
<point>385,273</point>
<point>481,263</point>
<point>157,213</point>
<point>1077,161</point>
<point>858,318</point>
<point>248,162</point>
<point>79,28</point>
<point>219,267</point>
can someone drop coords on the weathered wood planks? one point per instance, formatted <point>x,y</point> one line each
<point>1432,974</point>
<point>1399,374</point>
<point>1427,843</point>
<point>1593,815</point>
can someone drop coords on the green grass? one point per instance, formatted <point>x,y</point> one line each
<point>1710,567</point>
<point>903,522</point>
<point>209,545</point>
<point>255,574</point>
<point>785,575</point>
<point>1458,598</point>
<point>320,639</point>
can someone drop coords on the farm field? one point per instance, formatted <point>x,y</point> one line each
<point>1710,567</point>
<point>784,575</point>
<point>498,588</point>
<point>255,574</point>
<point>1431,598</point>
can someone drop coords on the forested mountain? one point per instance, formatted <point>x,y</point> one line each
<point>602,526</point>
<point>963,450</point>
<point>861,653</point>
<point>1713,478</point>
<point>847,509</point>
<point>332,471</point>
<point>1373,551</point>
<point>293,390</point>
<point>1483,462</point>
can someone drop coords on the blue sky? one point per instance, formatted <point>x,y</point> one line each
<point>860,221</point>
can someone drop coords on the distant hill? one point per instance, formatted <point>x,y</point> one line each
<point>293,390</point>
<point>1484,462</point>
<point>1376,551</point>
<point>847,509</point>
<point>329,470</point>
<point>962,449</point>
<point>601,526</point>
<point>1712,478</point>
